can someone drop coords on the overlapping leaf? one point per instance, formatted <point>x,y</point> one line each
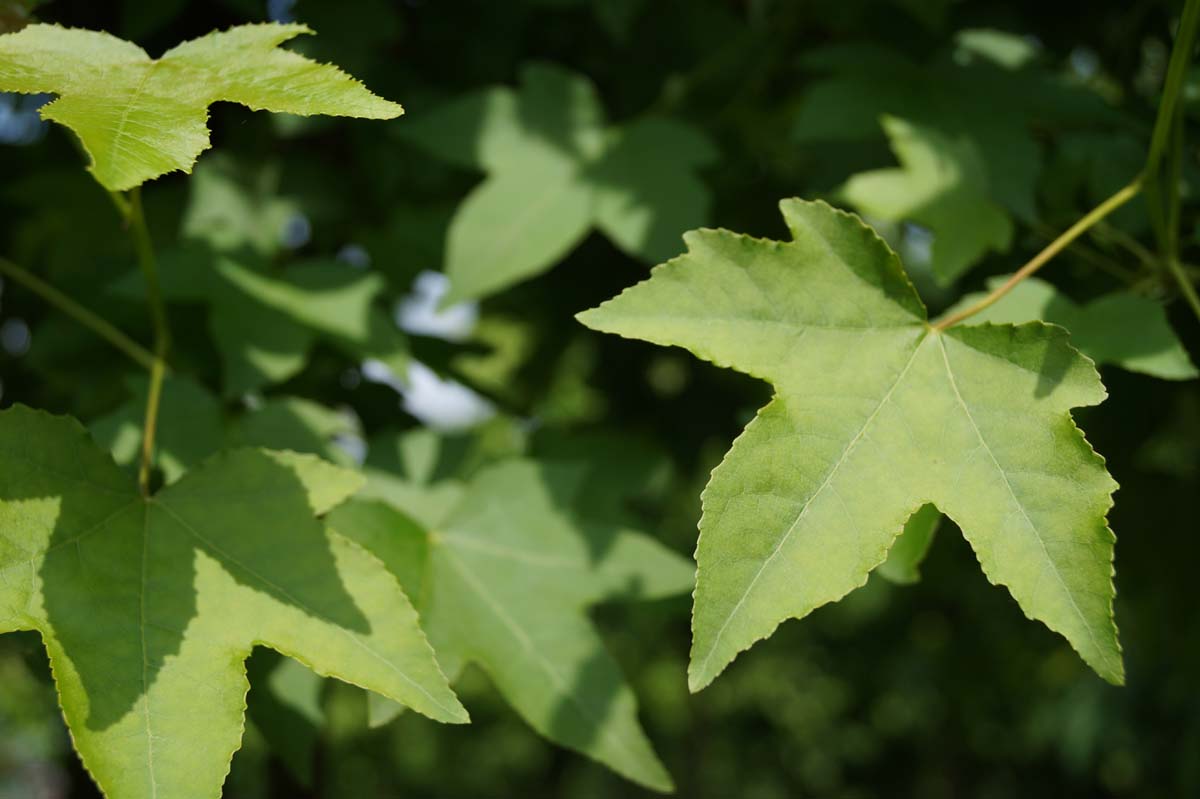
<point>140,118</point>
<point>148,606</point>
<point>555,171</point>
<point>192,426</point>
<point>502,569</point>
<point>1120,328</point>
<point>966,143</point>
<point>942,184</point>
<point>264,321</point>
<point>876,414</point>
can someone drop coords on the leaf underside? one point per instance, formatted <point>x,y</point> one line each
<point>505,567</point>
<point>875,414</point>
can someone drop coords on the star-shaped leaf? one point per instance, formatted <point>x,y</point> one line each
<point>502,569</point>
<point>148,606</point>
<point>1121,328</point>
<point>139,117</point>
<point>555,171</point>
<point>876,414</point>
<point>940,184</point>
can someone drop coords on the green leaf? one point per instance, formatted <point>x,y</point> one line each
<point>231,207</point>
<point>555,171</point>
<point>1119,328</point>
<point>942,184</point>
<point>508,564</point>
<point>264,321</point>
<point>904,559</point>
<point>875,414</point>
<point>140,118</point>
<point>148,607</point>
<point>190,427</point>
<point>296,424</point>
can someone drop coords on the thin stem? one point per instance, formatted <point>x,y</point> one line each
<point>1174,181</point>
<point>1093,257</point>
<point>122,205</point>
<point>1185,285</point>
<point>162,332</point>
<point>82,315</point>
<point>1174,175</point>
<point>1181,55</point>
<point>1106,232</point>
<point>1052,249</point>
<point>1164,123</point>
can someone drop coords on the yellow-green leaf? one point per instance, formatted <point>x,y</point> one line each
<point>139,117</point>
<point>876,414</point>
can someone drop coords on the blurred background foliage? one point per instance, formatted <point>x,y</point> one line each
<point>303,264</point>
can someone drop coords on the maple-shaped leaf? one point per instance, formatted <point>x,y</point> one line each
<point>502,569</point>
<point>1121,328</point>
<point>140,118</point>
<point>876,413</point>
<point>940,184</point>
<point>148,606</point>
<point>555,170</point>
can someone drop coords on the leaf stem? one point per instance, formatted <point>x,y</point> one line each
<point>71,308</point>
<point>121,203</point>
<point>1035,263</point>
<point>136,218</point>
<point>1181,55</point>
<point>1174,178</point>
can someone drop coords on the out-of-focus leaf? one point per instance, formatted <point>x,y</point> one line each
<point>295,424</point>
<point>264,321</point>
<point>903,564</point>
<point>555,171</point>
<point>232,206</point>
<point>941,184</point>
<point>190,427</point>
<point>1120,328</point>
<point>510,564</point>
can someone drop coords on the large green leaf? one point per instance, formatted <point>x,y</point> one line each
<point>502,569</point>
<point>148,606</point>
<point>555,171</point>
<point>1120,328</point>
<point>139,118</point>
<point>876,413</point>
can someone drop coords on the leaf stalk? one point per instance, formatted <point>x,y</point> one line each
<point>136,219</point>
<point>1122,196</point>
<point>80,314</point>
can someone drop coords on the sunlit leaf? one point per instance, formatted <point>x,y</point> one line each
<point>148,606</point>
<point>139,118</point>
<point>876,414</point>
